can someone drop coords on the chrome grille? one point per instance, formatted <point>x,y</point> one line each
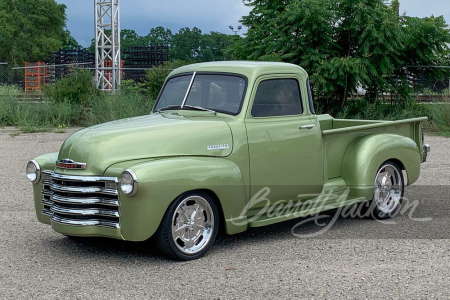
<point>81,200</point>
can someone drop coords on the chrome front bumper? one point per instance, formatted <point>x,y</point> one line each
<point>426,150</point>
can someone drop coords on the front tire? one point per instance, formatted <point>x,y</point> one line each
<point>189,227</point>
<point>388,193</point>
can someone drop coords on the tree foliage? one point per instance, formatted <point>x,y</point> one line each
<point>30,29</point>
<point>190,45</point>
<point>343,44</point>
<point>156,76</point>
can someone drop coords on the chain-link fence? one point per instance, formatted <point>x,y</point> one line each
<point>8,76</point>
<point>429,83</point>
<point>34,76</point>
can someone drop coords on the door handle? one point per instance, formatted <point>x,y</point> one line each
<point>310,126</point>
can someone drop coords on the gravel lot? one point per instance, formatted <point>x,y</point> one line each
<point>356,258</point>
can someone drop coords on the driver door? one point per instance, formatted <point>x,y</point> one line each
<point>284,143</point>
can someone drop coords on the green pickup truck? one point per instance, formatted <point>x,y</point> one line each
<point>228,145</point>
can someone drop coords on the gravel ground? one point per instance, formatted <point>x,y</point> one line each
<point>356,258</point>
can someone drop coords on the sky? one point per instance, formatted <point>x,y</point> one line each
<point>207,15</point>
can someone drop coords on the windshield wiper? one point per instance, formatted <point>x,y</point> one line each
<point>169,107</point>
<point>200,108</point>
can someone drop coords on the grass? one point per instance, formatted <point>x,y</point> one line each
<point>57,117</point>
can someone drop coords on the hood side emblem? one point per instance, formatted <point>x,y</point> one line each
<point>70,164</point>
<point>218,147</point>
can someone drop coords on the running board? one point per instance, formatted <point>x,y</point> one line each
<point>334,195</point>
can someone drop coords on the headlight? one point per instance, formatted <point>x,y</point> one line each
<point>128,183</point>
<point>33,171</point>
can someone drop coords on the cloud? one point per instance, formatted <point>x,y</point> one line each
<point>208,15</point>
<point>139,15</point>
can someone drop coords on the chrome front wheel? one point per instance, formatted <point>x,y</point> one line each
<point>192,224</point>
<point>388,191</point>
<point>189,227</point>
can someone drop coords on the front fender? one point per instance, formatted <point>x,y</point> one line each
<point>366,154</point>
<point>161,181</point>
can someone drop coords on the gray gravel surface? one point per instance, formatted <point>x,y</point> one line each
<point>356,258</point>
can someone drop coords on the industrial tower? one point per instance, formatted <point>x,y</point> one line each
<point>107,44</point>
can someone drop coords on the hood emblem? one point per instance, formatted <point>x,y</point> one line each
<point>70,164</point>
<point>218,147</point>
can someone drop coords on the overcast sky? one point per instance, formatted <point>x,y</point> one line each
<point>208,15</point>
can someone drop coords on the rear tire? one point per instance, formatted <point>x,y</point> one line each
<point>189,227</point>
<point>389,187</point>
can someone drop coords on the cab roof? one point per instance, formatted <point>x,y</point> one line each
<point>250,69</point>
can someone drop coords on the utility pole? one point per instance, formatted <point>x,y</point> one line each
<point>107,44</point>
<point>235,31</point>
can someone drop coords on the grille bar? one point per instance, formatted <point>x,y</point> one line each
<point>47,212</point>
<point>74,222</point>
<point>84,178</point>
<point>84,212</point>
<point>84,190</point>
<point>81,200</point>
<point>46,202</point>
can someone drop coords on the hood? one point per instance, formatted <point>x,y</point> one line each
<point>152,136</point>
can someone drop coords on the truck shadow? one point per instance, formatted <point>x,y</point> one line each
<point>104,247</point>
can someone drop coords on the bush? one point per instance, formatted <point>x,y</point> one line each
<point>440,116</point>
<point>10,90</point>
<point>362,109</point>
<point>77,87</point>
<point>157,75</point>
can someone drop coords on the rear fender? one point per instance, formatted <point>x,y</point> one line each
<point>366,154</point>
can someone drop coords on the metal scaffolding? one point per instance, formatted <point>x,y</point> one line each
<point>107,44</point>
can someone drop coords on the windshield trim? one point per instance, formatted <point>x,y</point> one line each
<point>154,110</point>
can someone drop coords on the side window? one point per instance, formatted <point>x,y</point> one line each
<point>277,97</point>
<point>310,98</point>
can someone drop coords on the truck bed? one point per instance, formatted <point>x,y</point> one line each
<point>338,134</point>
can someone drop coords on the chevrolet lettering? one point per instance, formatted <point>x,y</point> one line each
<point>70,164</point>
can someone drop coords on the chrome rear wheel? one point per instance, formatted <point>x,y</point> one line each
<point>388,191</point>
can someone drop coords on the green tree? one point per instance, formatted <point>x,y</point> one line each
<point>69,42</point>
<point>129,38</point>
<point>217,44</point>
<point>30,29</point>
<point>186,45</point>
<point>343,44</point>
<point>193,46</point>
<point>159,36</point>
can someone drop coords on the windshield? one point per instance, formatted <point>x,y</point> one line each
<point>221,93</point>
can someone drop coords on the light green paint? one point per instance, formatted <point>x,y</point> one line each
<point>168,153</point>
